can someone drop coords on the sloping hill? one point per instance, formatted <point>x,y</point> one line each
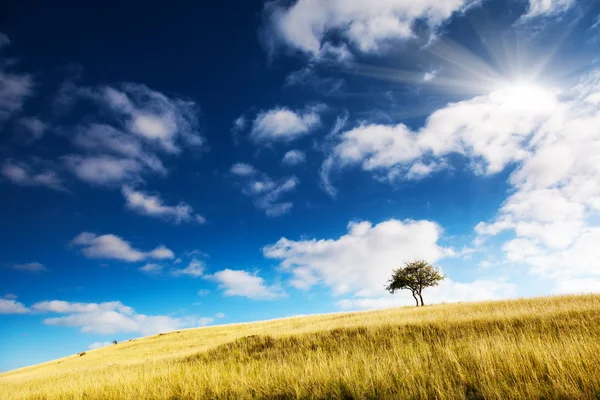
<point>534,348</point>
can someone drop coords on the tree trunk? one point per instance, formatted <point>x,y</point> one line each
<point>421,297</point>
<point>417,300</point>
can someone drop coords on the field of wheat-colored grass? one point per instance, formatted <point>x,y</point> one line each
<point>544,348</point>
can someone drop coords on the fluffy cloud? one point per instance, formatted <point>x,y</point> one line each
<point>243,169</point>
<point>23,174</point>
<point>492,131</point>
<point>242,283</point>
<point>549,136</point>
<point>146,204</point>
<point>294,157</point>
<point>284,125</point>
<point>146,124</point>
<point>195,268</point>
<point>155,117</point>
<point>111,318</point>
<point>360,261</point>
<point>265,191</point>
<point>556,195</point>
<point>114,247</point>
<point>307,25</point>
<point>104,169</point>
<point>8,306</point>
<point>30,267</point>
<point>547,7</point>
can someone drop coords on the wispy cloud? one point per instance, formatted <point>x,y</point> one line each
<point>30,267</point>
<point>265,191</point>
<point>114,247</point>
<point>153,206</point>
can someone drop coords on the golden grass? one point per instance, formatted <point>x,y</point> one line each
<point>545,348</point>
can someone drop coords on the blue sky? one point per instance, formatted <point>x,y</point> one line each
<point>162,169</point>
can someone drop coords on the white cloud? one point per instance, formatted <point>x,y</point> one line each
<point>155,117</point>
<point>362,260</point>
<point>324,177</point>
<point>577,286</point>
<point>285,125</point>
<point>104,170</point>
<point>219,315</point>
<point>265,191</point>
<point>111,318</point>
<point>294,157</point>
<point>429,76</point>
<point>307,25</point>
<point>556,195</point>
<point>195,268</point>
<point>550,136</point>
<point>97,345</point>
<point>147,204</point>
<point>113,247</point>
<point>9,306</point>
<point>243,169</point>
<point>203,292</point>
<point>491,130</point>
<point>145,125</point>
<point>245,284</point>
<point>447,292</point>
<point>108,140</point>
<point>547,7</point>
<point>9,296</point>
<point>151,268</point>
<point>23,174</point>
<point>30,267</point>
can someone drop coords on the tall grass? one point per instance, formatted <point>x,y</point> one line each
<point>547,348</point>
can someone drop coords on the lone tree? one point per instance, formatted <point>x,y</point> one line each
<point>415,276</point>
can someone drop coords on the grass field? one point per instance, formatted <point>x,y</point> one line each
<point>545,348</point>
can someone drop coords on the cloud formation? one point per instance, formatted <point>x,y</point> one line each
<point>111,318</point>
<point>138,126</point>
<point>308,26</point>
<point>153,206</point>
<point>265,191</point>
<point>244,284</point>
<point>114,247</point>
<point>23,174</point>
<point>284,125</point>
<point>294,157</point>
<point>361,261</point>
<point>11,306</point>
<point>195,269</point>
<point>551,139</point>
<point>539,8</point>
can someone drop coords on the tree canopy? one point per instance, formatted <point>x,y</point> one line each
<point>415,276</point>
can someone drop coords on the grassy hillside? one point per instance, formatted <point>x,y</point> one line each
<point>536,348</point>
